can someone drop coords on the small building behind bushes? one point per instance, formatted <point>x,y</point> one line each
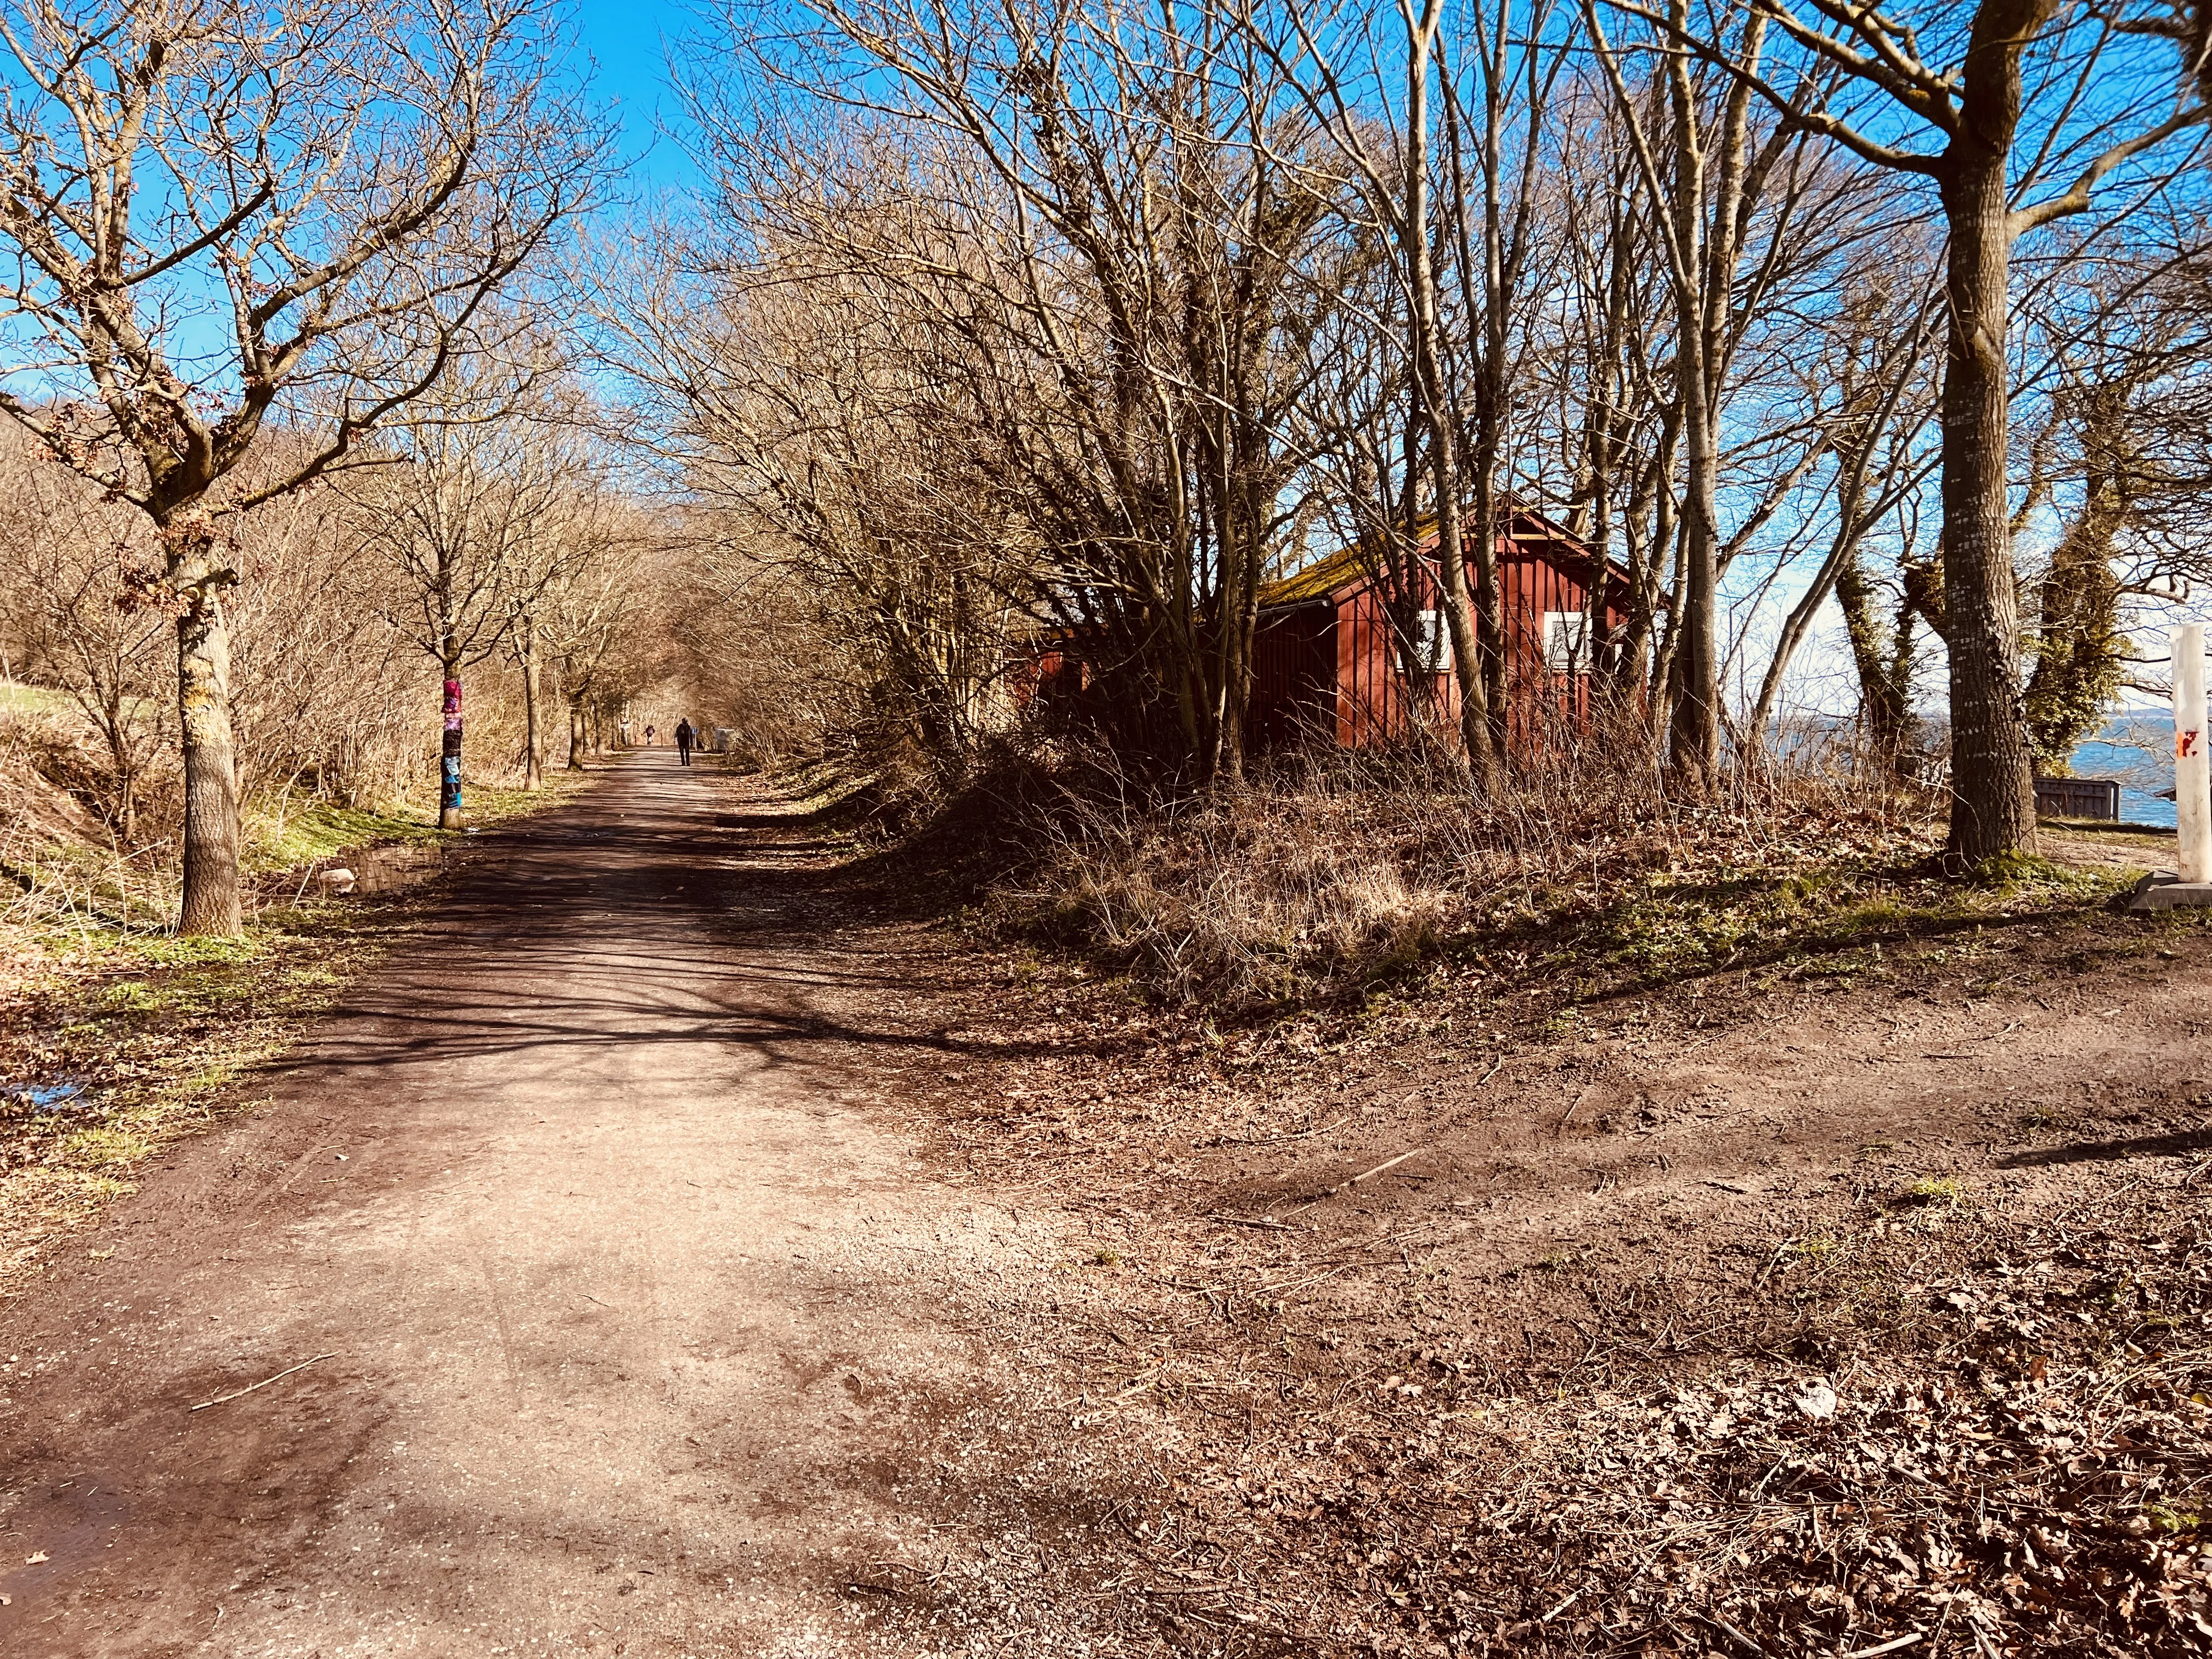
<point>1331,658</point>
<point>1346,653</point>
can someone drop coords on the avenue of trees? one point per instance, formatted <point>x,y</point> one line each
<point>343,366</point>
<point>1090,319</point>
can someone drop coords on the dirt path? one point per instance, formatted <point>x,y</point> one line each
<point>695,1260</point>
<point>627,1334</point>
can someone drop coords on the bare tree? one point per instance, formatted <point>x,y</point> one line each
<point>571,530</point>
<point>463,512</point>
<point>1708,178</point>
<point>1882,402</point>
<point>588,623</point>
<point>320,690</point>
<point>1079,260</point>
<point>1329,62</point>
<point>2006,85</point>
<point>78,621</point>
<point>223,218</point>
<point>1619,425</point>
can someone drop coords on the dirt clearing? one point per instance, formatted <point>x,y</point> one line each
<point>683,1257</point>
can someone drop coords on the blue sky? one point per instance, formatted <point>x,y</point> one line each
<point>628,40</point>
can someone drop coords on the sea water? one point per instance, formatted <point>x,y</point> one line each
<point>2137,749</point>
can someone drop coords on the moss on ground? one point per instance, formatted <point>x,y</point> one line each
<point>17,699</point>
<point>309,831</point>
<point>1837,919</point>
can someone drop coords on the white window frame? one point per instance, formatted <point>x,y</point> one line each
<point>1566,636</point>
<point>1431,642</point>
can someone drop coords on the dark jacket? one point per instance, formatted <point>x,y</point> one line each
<point>685,737</point>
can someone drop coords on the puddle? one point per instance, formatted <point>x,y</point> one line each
<point>51,1097</point>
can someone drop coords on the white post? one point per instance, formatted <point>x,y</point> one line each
<point>2192,764</point>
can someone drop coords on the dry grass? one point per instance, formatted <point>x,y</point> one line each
<point>111,1046</point>
<point>1949,1402</point>
<point>60,864</point>
<point>1331,870</point>
<point>64,870</point>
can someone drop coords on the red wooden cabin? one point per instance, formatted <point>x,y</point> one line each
<point>1325,660</point>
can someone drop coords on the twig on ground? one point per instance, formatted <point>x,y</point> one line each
<point>1904,1641</point>
<point>1573,1107</point>
<point>1276,1141</point>
<point>241,1394</point>
<point>1386,1164</point>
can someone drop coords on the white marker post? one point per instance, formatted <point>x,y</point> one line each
<point>2193,764</point>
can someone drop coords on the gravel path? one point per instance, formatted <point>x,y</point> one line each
<point>622,1329</point>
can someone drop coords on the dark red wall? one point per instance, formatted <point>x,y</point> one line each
<point>1293,674</point>
<point>1342,652</point>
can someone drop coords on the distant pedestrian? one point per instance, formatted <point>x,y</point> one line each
<point>649,737</point>
<point>684,737</point>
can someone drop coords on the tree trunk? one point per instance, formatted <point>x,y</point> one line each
<point>1992,785</point>
<point>533,744</point>
<point>1425,327</point>
<point>115,718</point>
<point>449,752</point>
<point>575,735</point>
<point>1883,658</point>
<point>2080,649</point>
<point>1706,267</point>
<point>1240,610</point>
<point>211,904</point>
<point>1843,554</point>
<point>1694,727</point>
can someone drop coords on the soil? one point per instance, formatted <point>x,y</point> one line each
<point>688,1249</point>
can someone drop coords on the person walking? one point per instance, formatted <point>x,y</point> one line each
<point>684,739</point>
<point>649,737</point>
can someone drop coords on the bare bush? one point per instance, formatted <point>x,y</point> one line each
<point>60,862</point>
<point>1332,869</point>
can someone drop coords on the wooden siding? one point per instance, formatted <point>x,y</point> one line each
<point>1540,574</point>
<point>1374,700</point>
<point>1293,670</point>
<point>1324,659</point>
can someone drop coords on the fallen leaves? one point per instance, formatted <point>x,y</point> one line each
<point>1818,1402</point>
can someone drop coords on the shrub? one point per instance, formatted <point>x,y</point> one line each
<point>1329,869</point>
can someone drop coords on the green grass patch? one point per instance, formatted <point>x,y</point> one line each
<point>97,1149</point>
<point>2166,1518</point>
<point>17,699</point>
<point>309,832</point>
<point>176,950</point>
<point>1671,927</point>
<point>313,831</point>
